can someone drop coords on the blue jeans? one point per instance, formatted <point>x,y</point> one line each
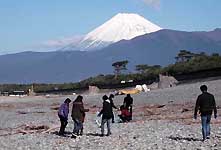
<point>108,126</point>
<point>78,125</point>
<point>205,119</point>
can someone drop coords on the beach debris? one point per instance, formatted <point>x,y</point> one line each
<point>184,110</point>
<point>29,129</point>
<point>160,106</point>
<point>129,91</point>
<point>21,112</point>
<point>7,106</point>
<point>143,88</point>
<point>139,87</point>
<point>47,95</point>
<point>55,106</point>
<point>35,112</point>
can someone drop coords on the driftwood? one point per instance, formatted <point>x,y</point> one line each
<point>51,129</point>
<point>28,129</point>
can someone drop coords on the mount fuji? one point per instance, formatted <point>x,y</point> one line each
<point>131,38</point>
<point>123,26</point>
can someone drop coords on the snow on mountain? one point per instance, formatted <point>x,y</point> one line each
<point>122,26</point>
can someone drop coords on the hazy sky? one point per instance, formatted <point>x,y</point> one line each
<point>25,24</point>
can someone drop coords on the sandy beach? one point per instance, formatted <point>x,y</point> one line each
<point>162,119</point>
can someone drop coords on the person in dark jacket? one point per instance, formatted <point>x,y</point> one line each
<point>63,115</point>
<point>78,115</point>
<point>106,115</point>
<point>128,100</point>
<point>113,106</point>
<point>206,104</point>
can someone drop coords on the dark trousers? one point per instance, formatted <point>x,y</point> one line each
<point>112,117</point>
<point>64,123</point>
<point>108,126</point>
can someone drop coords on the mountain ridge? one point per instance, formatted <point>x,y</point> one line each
<point>157,48</point>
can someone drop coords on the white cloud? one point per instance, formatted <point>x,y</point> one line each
<point>47,46</point>
<point>63,41</point>
<point>53,45</point>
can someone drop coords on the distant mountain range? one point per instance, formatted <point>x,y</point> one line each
<point>158,47</point>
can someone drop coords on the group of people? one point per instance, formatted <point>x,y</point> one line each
<point>78,114</point>
<point>107,111</point>
<point>205,104</point>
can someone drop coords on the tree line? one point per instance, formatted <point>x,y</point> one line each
<point>185,62</point>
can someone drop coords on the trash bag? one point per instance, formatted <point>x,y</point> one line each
<point>98,119</point>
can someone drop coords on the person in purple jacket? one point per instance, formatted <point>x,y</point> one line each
<point>63,115</point>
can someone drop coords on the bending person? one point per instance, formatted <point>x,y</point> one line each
<point>125,114</point>
<point>128,100</point>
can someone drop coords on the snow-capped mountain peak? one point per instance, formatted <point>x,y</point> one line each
<point>121,26</point>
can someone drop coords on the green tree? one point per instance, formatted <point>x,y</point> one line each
<point>215,55</point>
<point>142,68</point>
<point>184,56</point>
<point>147,69</point>
<point>119,66</point>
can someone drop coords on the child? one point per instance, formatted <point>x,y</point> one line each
<point>106,115</point>
<point>63,115</point>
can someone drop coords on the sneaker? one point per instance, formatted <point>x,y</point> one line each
<point>74,136</point>
<point>108,134</point>
<point>207,137</point>
<point>102,135</point>
<point>62,135</point>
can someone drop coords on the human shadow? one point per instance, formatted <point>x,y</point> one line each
<point>66,134</point>
<point>183,138</point>
<point>93,134</point>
